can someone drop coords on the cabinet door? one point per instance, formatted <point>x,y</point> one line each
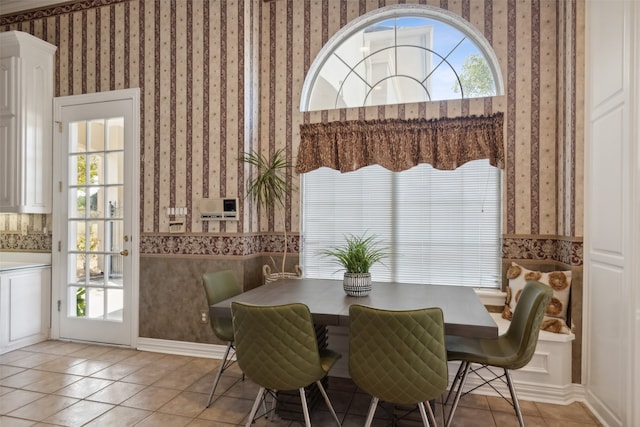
<point>25,297</point>
<point>8,85</point>
<point>8,147</point>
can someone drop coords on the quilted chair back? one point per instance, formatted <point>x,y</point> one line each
<point>276,346</point>
<point>524,329</point>
<point>219,286</point>
<point>398,356</point>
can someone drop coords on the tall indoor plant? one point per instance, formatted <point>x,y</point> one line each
<point>268,186</point>
<point>356,256</point>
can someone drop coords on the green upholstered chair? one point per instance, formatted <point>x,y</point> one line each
<point>511,350</point>
<point>219,286</point>
<point>398,356</point>
<point>277,348</point>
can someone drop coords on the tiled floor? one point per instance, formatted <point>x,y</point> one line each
<point>72,384</point>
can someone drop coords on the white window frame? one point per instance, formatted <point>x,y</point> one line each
<point>399,11</point>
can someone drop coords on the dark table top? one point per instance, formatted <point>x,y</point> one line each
<point>463,311</point>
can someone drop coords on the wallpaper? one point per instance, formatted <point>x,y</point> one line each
<point>219,77</point>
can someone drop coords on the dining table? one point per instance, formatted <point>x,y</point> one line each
<point>464,314</point>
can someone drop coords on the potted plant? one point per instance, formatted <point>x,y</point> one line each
<point>268,186</point>
<point>356,256</point>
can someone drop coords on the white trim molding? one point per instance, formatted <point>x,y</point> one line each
<point>182,348</point>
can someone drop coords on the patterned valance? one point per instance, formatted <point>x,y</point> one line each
<point>399,144</point>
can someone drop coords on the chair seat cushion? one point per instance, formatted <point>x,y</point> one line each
<point>500,352</point>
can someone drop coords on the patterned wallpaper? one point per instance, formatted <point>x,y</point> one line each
<point>218,77</point>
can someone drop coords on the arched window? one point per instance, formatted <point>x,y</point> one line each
<point>440,226</point>
<point>402,54</point>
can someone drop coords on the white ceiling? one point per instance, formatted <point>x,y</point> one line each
<point>13,6</point>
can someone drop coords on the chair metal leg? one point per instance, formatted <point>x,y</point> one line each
<point>254,408</point>
<point>514,398</point>
<point>456,378</point>
<point>372,411</point>
<point>431,420</point>
<point>223,366</point>
<point>305,408</point>
<point>329,405</point>
<point>463,380</point>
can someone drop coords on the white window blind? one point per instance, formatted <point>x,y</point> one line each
<point>440,227</point>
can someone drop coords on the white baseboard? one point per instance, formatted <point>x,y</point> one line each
<point>182,348</point>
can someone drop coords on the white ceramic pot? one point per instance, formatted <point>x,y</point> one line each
<point>357,284</point>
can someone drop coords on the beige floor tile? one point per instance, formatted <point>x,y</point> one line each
<point>143,358</point>
<point>498,404</point>
<point>243,390</point>
<point>146,375</point>
<point>87,367</point>
<point>24,378</point>
<point>84,387</point>
<point>574,412</point>
<point>33,360</point>
<point>227,409</point>
<point>91,351</point>
<point>116,355</point>
<point>14,422</point>
<point>180,379</point>
<point>151,398</point>
<point>187,404</point>
<point>158,419</point>
<point>5,390</point>
<point>7,371</point>
<point>40,409</point>
<point>12,356</point>
<point>472,401</point>
<point>53,382</point>
<point>505,419</point>
<point>172,361</point>
<point>55,347</point>
<point>203,384</point>
<point>78,414</point>
<point>61,364</point>
<point>16,399</point>
<point>116,393</point>
<point>472,417</point>
<point>97,372</point>
<point>120,416</point>
<point>198,422</point>
<point>115,372</point>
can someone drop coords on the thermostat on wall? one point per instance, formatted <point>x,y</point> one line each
<point>219,209</point>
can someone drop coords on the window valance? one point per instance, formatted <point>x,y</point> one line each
<point>398,144</point>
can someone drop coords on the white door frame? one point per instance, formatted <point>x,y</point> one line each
<point>132,95</point>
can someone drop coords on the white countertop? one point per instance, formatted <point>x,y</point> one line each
<point>11,261</point>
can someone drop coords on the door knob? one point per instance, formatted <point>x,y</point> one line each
<point>124,253</point>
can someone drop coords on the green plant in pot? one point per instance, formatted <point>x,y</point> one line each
<point>268,186</point>
<point>356,256</point>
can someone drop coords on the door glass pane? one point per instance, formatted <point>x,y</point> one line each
<point>116,134</point>
<point>77,269</point>
<point>77,302</point>
<point>96,135</point>
<point>95,221</point>
<point>115,168</point>
<point>115,197</point>
<point>78,137</point>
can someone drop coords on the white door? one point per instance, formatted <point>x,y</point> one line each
<point>96,217</point>
<point>611,343</point>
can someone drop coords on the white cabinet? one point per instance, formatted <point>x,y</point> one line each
<point>26,103</point>
<point>25,307</point>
